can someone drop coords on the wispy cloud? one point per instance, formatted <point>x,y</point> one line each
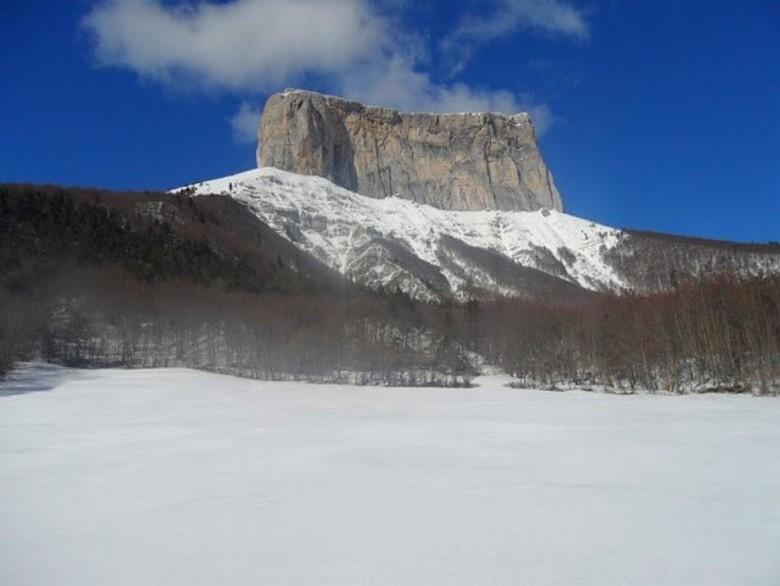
<point>556,18</point>
<point>245,123</point>
<point>249,47</point>
<point>397,83</point>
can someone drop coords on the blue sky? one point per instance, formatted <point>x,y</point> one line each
<point>660,115</point>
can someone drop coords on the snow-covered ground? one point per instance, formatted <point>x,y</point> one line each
<point>178,477</point>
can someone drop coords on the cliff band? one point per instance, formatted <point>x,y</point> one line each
<point>450,161</point>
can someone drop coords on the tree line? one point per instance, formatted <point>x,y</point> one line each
<point>719,335</point>
<point>87,280</point>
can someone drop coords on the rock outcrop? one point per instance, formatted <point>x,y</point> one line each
<point>450,161</point>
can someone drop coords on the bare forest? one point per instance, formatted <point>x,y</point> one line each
<point>95,279</point>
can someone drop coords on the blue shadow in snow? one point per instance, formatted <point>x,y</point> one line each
<point>31,378</point>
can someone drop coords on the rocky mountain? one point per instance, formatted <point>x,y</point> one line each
<point>466,161</point>
<point>434,254</point>
<point>449,206</point>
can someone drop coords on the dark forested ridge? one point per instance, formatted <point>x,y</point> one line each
<point>211,241</point>
<point>93,278</point>
<point>97,278</point>
<point>653,261</point>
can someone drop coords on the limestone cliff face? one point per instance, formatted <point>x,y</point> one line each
<point>450,161</point>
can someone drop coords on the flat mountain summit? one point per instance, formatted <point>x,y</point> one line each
<point>451,161</point>
<point>449,206</point>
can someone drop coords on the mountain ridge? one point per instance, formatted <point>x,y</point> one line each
<point>435,255</point>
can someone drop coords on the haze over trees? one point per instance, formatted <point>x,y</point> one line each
<point>91,278</point>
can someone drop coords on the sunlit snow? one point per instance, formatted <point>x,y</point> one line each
<point>336,225</point>
<point>180,477</point>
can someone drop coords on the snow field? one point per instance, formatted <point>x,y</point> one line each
<point>181,477</point>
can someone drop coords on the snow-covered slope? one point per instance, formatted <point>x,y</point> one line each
<point>425,251</point>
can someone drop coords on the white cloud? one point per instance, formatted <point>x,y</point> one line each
<point>256,46</point>
<point>245,123</point>
<point>244,44</point>
<point>551,16</point>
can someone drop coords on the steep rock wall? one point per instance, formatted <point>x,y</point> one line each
<point>450,161</point>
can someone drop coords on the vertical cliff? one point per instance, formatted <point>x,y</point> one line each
<point>464,161</point>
